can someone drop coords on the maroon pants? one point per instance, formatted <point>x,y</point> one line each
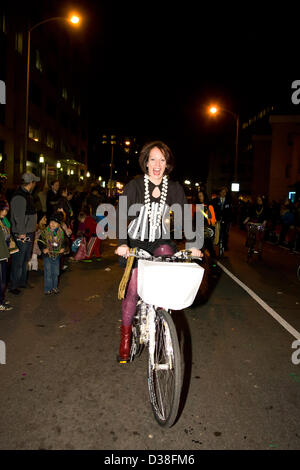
<point>129,303</point>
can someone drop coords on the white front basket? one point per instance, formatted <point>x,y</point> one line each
<point>169,285</point>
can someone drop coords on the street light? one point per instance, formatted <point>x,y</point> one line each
<point>214,110</point>
<point>74,19</point>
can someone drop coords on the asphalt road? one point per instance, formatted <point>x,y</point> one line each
<point>61,387</point>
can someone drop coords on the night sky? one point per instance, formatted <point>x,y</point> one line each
<point>154,66</point>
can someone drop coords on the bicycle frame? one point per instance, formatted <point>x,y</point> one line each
<point>147,332</point>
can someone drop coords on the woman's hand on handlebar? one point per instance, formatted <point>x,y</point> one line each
<point>122,250</point>
<point>197,253</point>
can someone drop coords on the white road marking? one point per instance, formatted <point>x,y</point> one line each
<point>263,304</point>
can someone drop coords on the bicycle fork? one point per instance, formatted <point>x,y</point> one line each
<point>167,339</point>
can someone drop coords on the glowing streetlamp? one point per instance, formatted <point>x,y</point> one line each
<point>74,19</point>
<point>214,110</point>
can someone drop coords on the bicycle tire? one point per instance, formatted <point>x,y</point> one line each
<point>251,244</point>
<point>221,246</point>
<point>137,347</point>
<point>164,380</point>
<point>221,249</point>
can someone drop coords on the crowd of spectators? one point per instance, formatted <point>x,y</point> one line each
<point>51,224</point>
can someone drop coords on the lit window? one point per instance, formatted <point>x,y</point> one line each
<point>19,42</point>
<point>50,140</point>
<point>2,24</point>
<point>38,62</point>
<point>34,133</point>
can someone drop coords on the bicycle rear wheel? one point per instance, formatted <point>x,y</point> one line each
<point>164,377</point>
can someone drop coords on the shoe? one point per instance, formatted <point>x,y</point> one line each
<point>14,291</point>
<point>64,267</point>
<point>5,308</point>
<point>55,290</point>
<point>124,350</point>
<point>48,292</point>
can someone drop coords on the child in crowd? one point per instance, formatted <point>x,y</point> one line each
<point>5,240</point>
<point>87,228</point>
<point>33,262</point>
<point>52,245</point>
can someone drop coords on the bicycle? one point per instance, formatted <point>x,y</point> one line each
<point>177,280</point>
<point>221,241</point>
<point>253,229</point>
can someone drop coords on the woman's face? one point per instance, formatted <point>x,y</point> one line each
<point>156,165</point>
<point>259,201</point>
<point>201,197</point>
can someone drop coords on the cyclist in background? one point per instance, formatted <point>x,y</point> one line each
<point>258,215</point>
<point>209,223</point>
<point>223,210</point>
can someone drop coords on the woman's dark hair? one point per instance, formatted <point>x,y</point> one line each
<point>63,189</point>
<point>86,210</point>
<point>166,151</point>
<point>205,197</point>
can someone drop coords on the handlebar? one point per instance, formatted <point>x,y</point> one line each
<point>256,225</point>
<point>180,256</point>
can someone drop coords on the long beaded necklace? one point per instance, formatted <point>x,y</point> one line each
<point>154,213</point>
<point>259,211</point>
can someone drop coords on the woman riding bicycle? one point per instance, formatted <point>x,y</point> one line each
<point>154,191</point>
<point>258,215</point>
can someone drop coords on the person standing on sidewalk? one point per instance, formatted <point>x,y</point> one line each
<point>23,217</point>
<point>4,254</point>
<point>52,198</point>
<point>52,245</point>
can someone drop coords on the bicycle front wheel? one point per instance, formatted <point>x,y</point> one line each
<point>164,376</point>
<point>251,245</point>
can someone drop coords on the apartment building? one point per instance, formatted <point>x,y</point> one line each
<point>57,140</point>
